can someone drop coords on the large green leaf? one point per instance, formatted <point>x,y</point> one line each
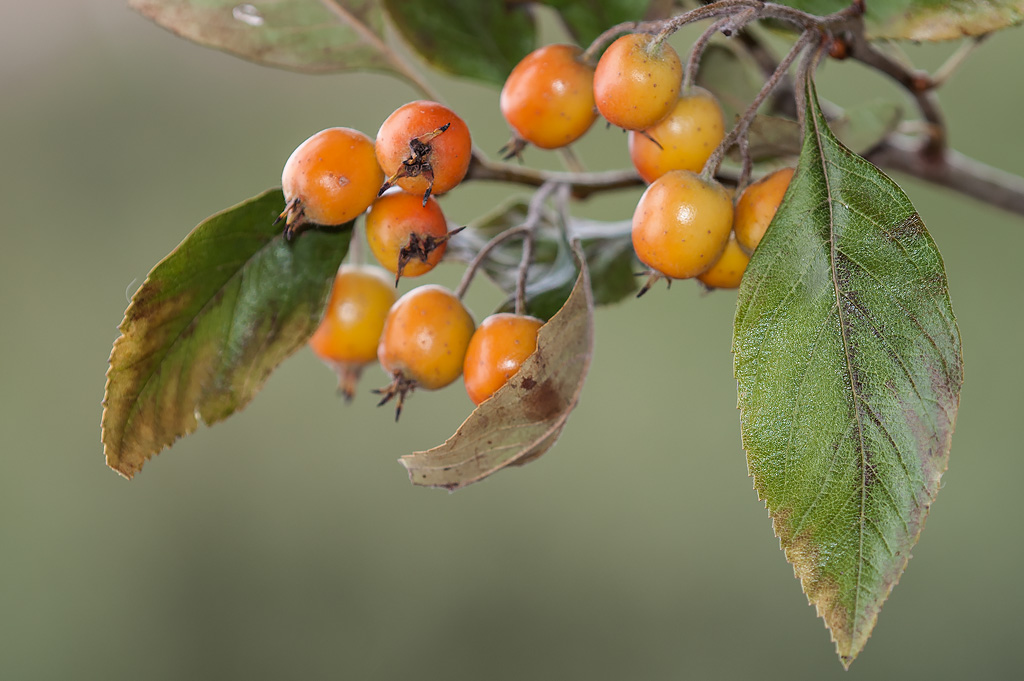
<point>303,35</point>
<point>848,363</point>
<point>210,323</point>
<point>480,39</point>
<point>587,19</point>
<point>524,418</point>
<point>926,19</point>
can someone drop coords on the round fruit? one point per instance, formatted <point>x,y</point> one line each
<point>424,341</point>
<point>683,140</point>
<point>349,332</point>
<point>407,236</point>
<point>500,345</point>
<point>637,81</point>
<point>757,205</point>
<point>548,99</point>
<point>727,272</point>
<point>424,147</point>
<point>681,224</point>
<point>329,179</point>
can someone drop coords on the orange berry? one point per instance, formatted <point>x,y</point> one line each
<point>636,82</point>
<point>329,179</point>
<point>548,99</point>
<point>681,224</point>
<point>350,330</point>
<point>498,348</point>
<point>424,341</point>
<point>727,272</point>
<point>756,207</point>
<point>683,140</point>
<point>407,236</point>
<point>424,148</point>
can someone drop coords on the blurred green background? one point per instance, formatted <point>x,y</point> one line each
<point>288,543</point>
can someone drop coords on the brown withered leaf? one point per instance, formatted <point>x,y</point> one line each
<point>525,417</point>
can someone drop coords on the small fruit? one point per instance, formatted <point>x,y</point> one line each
<point>683,140</point>
<point>407,236</point>
<point>727,272</point>
<point>424,342</point>
<point>756,207</point>
<point>329,179</point>
<point>637,81</point>
<point>548,99</point>
<point>424,147</point>
<point>498,348</point>
<point>681,225</point>
<point>350,330</point>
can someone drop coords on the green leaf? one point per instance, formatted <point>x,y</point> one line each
<point>848,362</point>
<point>524,418</point>
<point>301,35</point>
<point>607,247</point>
<point>587,19</point>
<point>926,19</point>
<point>481,39</point>
<point>210,323</point>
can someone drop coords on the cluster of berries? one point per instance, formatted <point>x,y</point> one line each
<point>685,225</point>
<point>426,338</point>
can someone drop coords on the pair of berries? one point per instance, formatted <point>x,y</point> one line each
<point>425,339</point>
<point>685,226</point>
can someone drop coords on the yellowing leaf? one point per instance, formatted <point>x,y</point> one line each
<point>210,323</point>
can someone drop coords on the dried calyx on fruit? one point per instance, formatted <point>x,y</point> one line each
<point>423,147</point>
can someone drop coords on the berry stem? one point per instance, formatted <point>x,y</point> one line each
<point>356,256</point>
<point>748,164</point>
<point>474,265</point>
<point>533,215</point>
<point>711,167</point>
<point>693,63</point>
<point>589,55</point>
<point>571,160</point>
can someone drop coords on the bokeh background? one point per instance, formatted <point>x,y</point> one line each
<point>287,541</point>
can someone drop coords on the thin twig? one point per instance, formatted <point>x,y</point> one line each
<point>952,170</point>
<point>762,10</point>
<point>711,166</point>
<point>918,84</point>
<point>581,184</point>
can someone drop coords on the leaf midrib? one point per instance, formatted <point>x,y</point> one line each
<point>848,354</point>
